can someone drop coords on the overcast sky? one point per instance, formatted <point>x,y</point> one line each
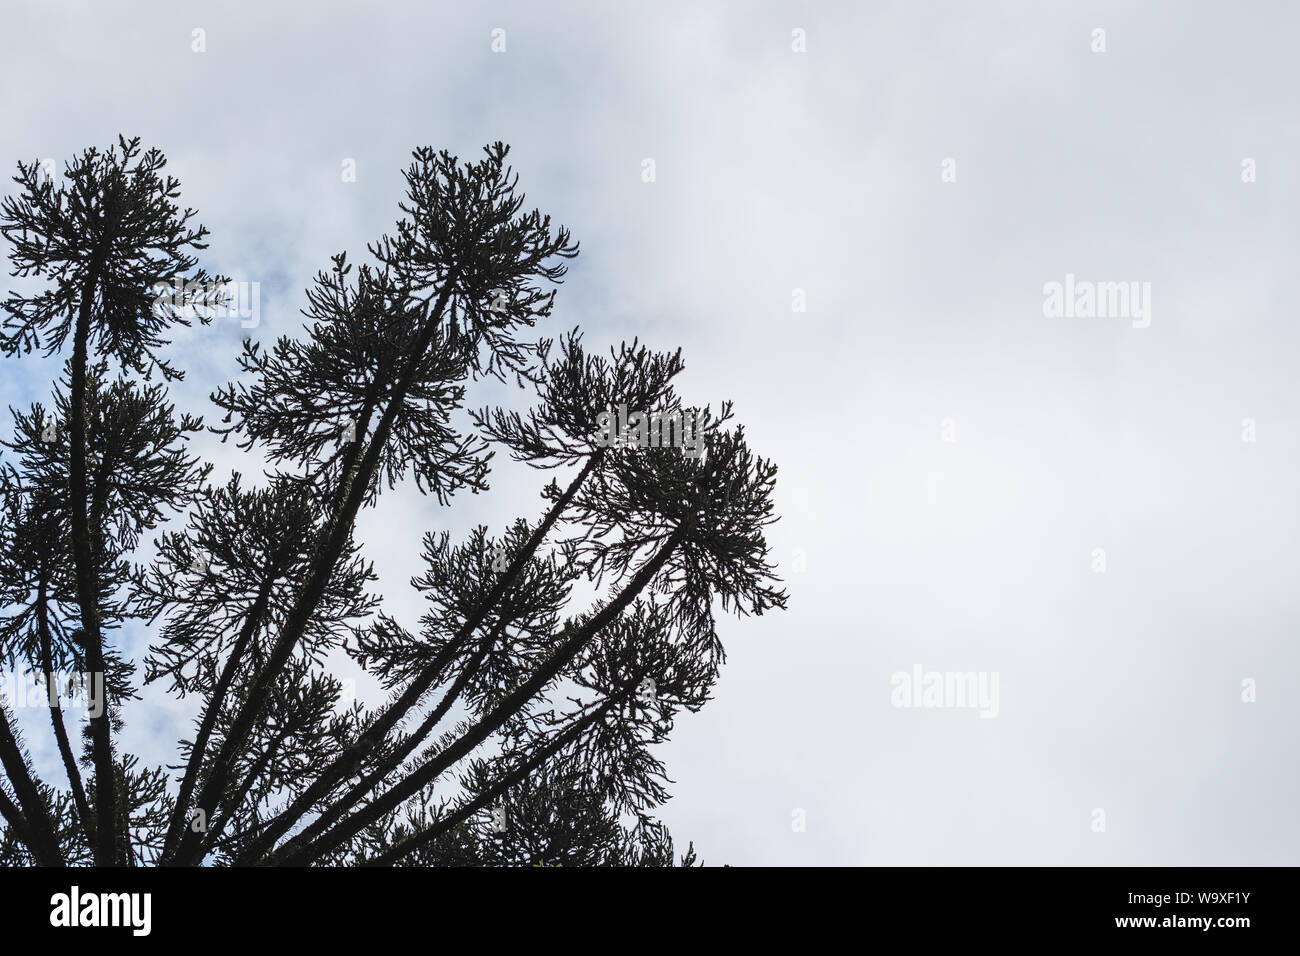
<point>952,453</point>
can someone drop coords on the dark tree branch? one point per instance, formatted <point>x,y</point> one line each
<point>393,714</point>
<point>40,837</point>
<point>489,724</point>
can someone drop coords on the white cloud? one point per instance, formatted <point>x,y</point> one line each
<point>821,171</point>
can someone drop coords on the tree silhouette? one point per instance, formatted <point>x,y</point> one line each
<point>521,718</point>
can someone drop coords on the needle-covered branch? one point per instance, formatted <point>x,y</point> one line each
<point>523,710</point>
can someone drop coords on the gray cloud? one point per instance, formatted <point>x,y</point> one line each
<point>821,171</point>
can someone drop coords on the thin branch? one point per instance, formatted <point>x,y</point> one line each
<point>498,716</point>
